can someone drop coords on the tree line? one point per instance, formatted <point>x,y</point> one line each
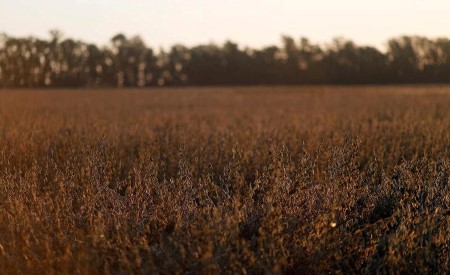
<point>128,62</point>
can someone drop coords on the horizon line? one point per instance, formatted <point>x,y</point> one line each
<point>241,45</point>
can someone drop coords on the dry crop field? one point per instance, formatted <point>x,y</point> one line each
<point>231,180</point>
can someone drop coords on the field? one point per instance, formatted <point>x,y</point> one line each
<point>231,180</point>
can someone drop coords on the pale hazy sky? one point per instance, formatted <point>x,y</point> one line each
<point>254,23</point>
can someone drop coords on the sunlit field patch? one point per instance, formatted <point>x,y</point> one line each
<point>283,179</point>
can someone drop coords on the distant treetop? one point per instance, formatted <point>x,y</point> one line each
<point>128,62</point>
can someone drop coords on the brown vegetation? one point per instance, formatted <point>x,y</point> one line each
<point>259,180</point>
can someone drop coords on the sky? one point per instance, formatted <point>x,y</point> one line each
<point>253,23</point>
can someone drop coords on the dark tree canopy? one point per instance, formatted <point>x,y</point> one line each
<point>128,62</point>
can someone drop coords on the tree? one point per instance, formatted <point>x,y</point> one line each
<point>128,62</point>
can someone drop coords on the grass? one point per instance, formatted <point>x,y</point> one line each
<point>229,180</point>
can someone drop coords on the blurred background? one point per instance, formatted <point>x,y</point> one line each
<point>118,43</point>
